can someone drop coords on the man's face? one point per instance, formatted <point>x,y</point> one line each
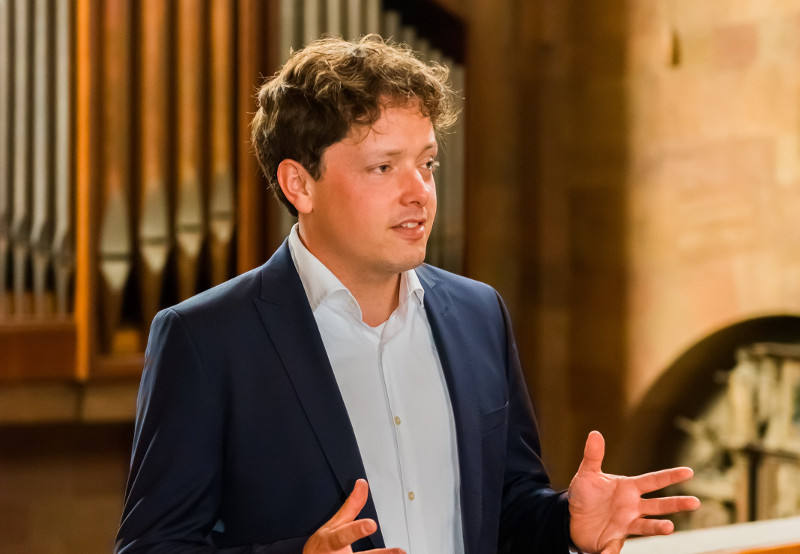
<point>373,207</point>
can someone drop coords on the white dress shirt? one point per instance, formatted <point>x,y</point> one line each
<point>391,380</point>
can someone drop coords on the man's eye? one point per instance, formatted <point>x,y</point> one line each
<point>432,165</point>
<point>383,168</point>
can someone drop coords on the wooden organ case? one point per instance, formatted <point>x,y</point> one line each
<point>126,178</point>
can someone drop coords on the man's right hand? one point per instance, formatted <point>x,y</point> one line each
<point>343,529</point>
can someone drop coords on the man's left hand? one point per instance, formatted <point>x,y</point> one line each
<point>605,509</point>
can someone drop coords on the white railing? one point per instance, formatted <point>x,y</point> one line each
<point>719,540</point>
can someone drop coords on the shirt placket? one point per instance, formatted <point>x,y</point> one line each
<point>399,430</point>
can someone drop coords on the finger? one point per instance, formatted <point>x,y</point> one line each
<point>593,453</point>
<point>647,527</point>
<point>669,505</point>
<point>348,533</point>
<point>656,480</point>
<point>352,506</point>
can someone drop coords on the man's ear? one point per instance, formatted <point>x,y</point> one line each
<point>296,184</point>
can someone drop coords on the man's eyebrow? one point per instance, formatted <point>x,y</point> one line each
<point>392,153</point>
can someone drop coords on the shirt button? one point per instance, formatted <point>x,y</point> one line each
<point>397,420</point>
<point>411,495</point>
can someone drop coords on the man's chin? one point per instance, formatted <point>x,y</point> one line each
<point>411,262</point>
<point>418,260</point>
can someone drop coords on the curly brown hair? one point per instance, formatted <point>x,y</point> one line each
<point>332,85</point>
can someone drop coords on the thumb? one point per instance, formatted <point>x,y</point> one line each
<point>613,547</point>
<point>352,506</point>
<point>593,454</point>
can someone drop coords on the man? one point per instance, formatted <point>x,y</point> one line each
<point>344,360</point>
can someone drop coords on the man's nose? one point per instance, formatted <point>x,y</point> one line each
<point>416,188</point>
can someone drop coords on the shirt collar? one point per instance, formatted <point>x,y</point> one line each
<point>320,283</point>
<point>410,283</point>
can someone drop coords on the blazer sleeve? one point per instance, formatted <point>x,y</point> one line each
<point>175,483</point>
<point>534,517</point>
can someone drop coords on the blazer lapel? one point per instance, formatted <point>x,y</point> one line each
<point>453,345</point>
<point>292,329</point>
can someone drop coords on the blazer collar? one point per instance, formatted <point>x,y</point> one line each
<point>290,325</point>
<point>454,346</point>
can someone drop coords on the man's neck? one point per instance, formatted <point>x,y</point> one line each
<point>377,301</point>
<point>377,295</point>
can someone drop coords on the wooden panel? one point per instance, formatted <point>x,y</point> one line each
<point>120,365</point>
<point>37,402</point>
<point>24,357</point>
<point>88,25</point>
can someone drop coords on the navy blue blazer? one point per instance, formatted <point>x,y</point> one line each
<point>243,443</point>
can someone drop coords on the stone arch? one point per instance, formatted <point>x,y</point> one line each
<point>688,385</point>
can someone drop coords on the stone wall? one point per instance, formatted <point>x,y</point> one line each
<point>714,186</point>
<point>658,188</point>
